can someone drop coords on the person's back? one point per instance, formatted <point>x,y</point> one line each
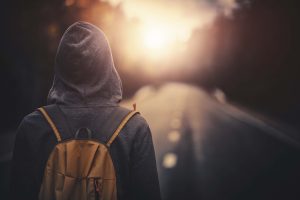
<point>85,94</point>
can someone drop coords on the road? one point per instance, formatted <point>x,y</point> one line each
<point>208,148</point>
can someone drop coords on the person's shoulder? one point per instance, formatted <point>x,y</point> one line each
<point>30,125</point>
<point>32,120</point>
<point>137,120</point>
<point>32,117</point>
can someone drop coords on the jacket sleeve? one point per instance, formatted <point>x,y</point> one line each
<point>144,182</point>
<point>22,184</point>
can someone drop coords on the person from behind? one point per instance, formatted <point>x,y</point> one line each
<point>83,145</point>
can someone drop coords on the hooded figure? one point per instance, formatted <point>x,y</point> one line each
<point>86,92</point>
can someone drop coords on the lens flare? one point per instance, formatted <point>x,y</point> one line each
<point>155,39</point>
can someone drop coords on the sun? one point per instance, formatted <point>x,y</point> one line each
<point>155,39</point>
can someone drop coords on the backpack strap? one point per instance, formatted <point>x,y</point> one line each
<point>51,123</point>
<point>60,120</point>
<point>122,124</point>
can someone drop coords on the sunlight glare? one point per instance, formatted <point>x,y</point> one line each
<point>155,39</point>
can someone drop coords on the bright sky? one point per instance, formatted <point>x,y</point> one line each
<point>168,21</point>
<point>166,25</point>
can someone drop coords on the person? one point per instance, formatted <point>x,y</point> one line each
<point>86,92</point>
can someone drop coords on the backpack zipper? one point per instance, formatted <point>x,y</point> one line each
<point>97,187</point>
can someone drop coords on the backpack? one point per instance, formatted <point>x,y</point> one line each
<point>80,168</point>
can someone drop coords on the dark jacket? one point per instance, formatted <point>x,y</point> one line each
<point>87,90</point>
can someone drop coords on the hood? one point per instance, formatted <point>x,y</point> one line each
<point>85,74</point>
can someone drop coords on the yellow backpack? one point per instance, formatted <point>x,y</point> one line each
<point>80,169</point>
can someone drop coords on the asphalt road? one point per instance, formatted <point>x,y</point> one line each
<point>206,147</point>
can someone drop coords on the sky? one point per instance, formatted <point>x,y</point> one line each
<point>175,19</point>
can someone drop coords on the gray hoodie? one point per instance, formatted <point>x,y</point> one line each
<point>85,74</point>
<point>85,93</point>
